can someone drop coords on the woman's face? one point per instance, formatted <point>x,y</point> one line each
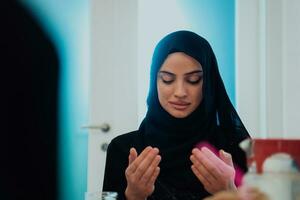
<point>179,84</point>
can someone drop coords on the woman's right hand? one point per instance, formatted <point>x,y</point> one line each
<point>141,173</point>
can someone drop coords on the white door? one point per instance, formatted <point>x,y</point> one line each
<point>113,79</point>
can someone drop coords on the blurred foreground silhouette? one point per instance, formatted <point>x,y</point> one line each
<point>29,78</point>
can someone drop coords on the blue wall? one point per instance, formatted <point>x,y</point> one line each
<point>67,23</point>
<point>214,20</point>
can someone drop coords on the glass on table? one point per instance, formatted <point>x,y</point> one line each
<point>105,195</point>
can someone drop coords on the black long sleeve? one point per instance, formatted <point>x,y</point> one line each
<point>114,177</point>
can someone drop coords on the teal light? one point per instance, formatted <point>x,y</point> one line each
<point>214,20</point>
<point>67,24</point>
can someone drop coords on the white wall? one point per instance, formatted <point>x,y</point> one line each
<point>113,80</point>
<point>291,63</point>
<point>151,28</point>
<point>268,66</point>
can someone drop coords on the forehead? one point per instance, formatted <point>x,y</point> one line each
<point>181,63</point>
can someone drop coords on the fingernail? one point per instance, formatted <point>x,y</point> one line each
<point>204,148</point>
<point>225,153</point>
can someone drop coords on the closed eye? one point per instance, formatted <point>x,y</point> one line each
<point>194,79</point>
<point>166,77</point>
<point>167,82</point>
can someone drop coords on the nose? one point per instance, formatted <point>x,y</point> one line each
<point>180,90</point>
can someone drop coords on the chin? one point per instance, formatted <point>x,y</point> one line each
<point>178,114</point>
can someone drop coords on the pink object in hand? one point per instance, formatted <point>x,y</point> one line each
<point>238,172</point>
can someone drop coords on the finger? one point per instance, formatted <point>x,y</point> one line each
<point>201,178</point>
<point>132,155</point>
<point>212,157</point>
<point>150,170</point>
<point>134,165</point>
<point>210,167</point>
<point>226,157</point>
<point>153,177</point>
<point>146,162</point>
<point>194,160</point>
<point>203,171</point>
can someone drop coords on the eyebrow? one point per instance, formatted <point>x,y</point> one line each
<point>189,73</point>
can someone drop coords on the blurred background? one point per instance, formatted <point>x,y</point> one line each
<point>101,59</point>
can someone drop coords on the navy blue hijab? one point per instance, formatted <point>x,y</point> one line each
<point>215,120</point>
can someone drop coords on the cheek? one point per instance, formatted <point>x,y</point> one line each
<point>164,92</point>
<point>197,94</point>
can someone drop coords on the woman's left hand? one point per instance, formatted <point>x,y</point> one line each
<point>215,173</point>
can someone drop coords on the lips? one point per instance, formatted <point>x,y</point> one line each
<point>179,105</point>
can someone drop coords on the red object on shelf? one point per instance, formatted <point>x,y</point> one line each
<point>263,148</point>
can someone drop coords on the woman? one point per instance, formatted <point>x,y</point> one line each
<point>187,105</point>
